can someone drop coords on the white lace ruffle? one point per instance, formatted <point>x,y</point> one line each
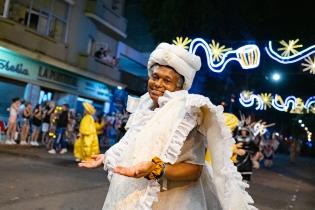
<point>150,196</point>
<point>234,187</point>
<point>229,184</point>
<point>113,156</point>
<point>173,149</point>
<point>178,138</point>
<point>136,120</point>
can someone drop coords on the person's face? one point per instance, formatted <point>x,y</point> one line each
<point>17,103</point>
<point>163,78</point>
<point>243,133</point>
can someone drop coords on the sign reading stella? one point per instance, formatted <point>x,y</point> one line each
<point>18,68</point>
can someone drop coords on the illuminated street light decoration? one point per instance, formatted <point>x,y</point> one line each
<point>299,106</point>
<point>310,105</point>
<point>289,48</point>
<point>290,100</point>
<point>217,50</point>
<point>278,104</point>
<point>266,100</point>
<point>291,58</point>
<point>310,101</point>
<point>247,56</point>
<point>248,100</point>
<point>309,65</point>
<point>180,41</point>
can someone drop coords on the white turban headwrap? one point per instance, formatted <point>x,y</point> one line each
<point>185,63</point>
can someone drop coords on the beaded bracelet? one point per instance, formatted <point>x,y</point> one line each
<point>158,170</point>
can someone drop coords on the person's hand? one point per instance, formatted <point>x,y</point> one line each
<point>94,162</point>
<point>137,171</point>
<point>239,145</point>
<point>241,152</point>
<point>239,149</point>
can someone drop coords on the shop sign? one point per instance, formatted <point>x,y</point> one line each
<point>5,65</point>
<point>29,70</point>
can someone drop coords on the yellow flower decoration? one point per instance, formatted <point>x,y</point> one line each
<point>290,47</point>
<point>267,100</point>
<point>180,41</point>
<point>217,50</point>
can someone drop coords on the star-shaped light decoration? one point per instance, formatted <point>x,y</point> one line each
<point>290,47</point>
<point>309,65</point>
<point>180,41</point>
<point>217,50</point>
<point>267,100</point>
<point>312,109</point>
<point>247,94</point>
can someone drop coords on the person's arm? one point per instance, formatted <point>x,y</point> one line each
<point>177,172</point>
<point>183,172</point>
<point>25,112</point>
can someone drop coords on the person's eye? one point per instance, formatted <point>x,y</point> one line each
<point>167,81</point>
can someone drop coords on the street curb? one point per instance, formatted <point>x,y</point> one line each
<point>30,152</point>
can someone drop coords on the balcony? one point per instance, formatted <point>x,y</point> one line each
<point>23,36</point>
<point>105,19</point>
<point>99,67</point>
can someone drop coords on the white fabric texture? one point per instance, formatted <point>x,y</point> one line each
<point>163,132</point>
<point>185,63</point>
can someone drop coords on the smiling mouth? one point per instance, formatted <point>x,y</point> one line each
<point>156,92</point>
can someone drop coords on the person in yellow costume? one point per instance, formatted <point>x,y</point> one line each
<point>87,145</point>
<point>231,121</point>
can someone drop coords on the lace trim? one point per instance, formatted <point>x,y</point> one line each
<point>233,180</point>
<point>113,156</point>
<point>170,156</point>
<point>233,184</point>
<point>178,138</point>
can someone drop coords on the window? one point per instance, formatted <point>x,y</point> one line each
<point>47,17</point>
<point>18,10</point>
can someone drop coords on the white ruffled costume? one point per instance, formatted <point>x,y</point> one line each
<point>164,132</point>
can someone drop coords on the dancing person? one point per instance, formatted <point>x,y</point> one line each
<point>59,143</point>
<point>246,149</point>
<point>160,161</point>
<point>87,143</point>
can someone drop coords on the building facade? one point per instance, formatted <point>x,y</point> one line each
<point>68,51</point>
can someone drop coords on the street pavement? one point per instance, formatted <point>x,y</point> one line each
<point>31,179</point>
